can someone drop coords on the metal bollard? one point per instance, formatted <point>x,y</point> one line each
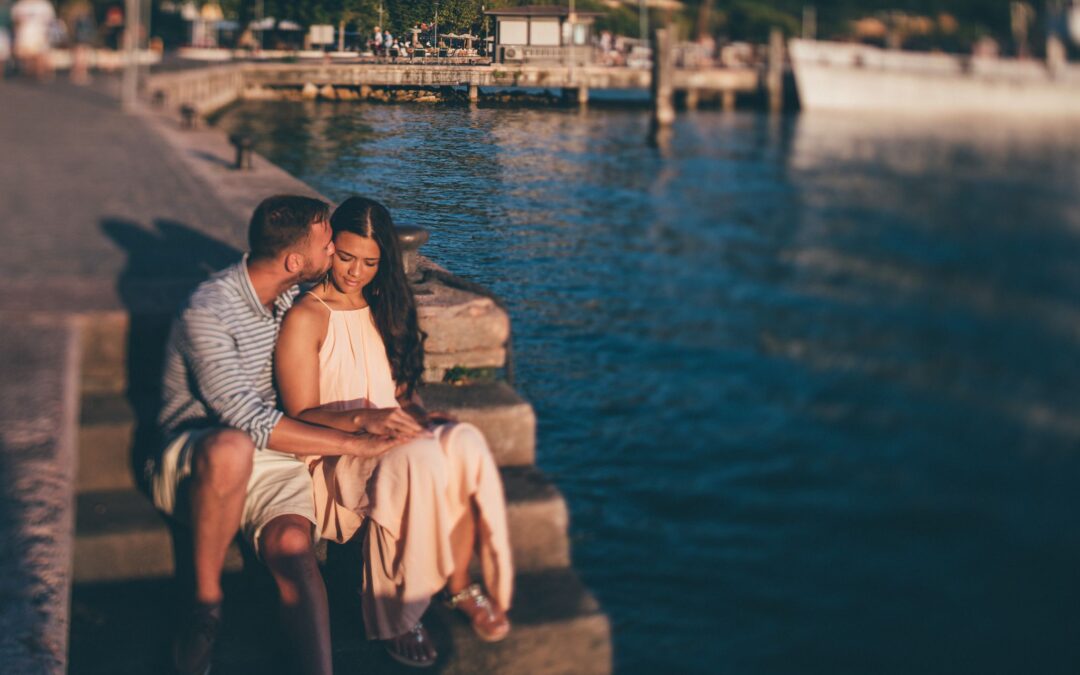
<point>411,238</point>
<point>187,115</point>
<point>243,145</point>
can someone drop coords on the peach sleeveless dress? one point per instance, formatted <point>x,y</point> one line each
<point>413,495</point>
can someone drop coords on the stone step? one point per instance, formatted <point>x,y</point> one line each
<point>463,329</point>
<point>107,429</point>
<point>119,535</point>
<point>124,629</point>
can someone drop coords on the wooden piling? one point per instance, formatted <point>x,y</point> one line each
<point>774,79</point>
<point>728,100</point>
<point>474,93</point>
<point>663,71</point>
<point>693,98</point>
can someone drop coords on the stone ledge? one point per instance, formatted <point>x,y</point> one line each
<point>120,536</point>
<point>107,429</point>
<point>38,412</point>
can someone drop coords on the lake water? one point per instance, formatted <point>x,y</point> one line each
<point>810,385</point>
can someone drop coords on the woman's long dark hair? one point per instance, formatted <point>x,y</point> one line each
<point>393,306</point>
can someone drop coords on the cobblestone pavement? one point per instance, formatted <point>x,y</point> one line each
<point>89,194</point>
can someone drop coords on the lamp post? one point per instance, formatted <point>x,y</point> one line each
<point>130,83</point>
<point>437,53</point>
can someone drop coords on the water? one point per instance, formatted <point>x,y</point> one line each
<point>809,385</point>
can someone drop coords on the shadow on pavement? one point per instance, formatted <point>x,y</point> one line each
<point>163,267</point>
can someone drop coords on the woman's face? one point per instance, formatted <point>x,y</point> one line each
<point>355,262</point>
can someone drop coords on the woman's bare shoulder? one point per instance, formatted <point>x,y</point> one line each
<point>307,315</point>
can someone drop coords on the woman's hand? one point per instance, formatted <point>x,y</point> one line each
<point>387,422</point>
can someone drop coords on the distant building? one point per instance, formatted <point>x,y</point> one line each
<point>542,34</point>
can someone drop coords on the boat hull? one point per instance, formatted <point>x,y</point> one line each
<point>838,76</point>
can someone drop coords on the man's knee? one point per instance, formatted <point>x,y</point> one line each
<point>287,538</point>
<point>225,458</point>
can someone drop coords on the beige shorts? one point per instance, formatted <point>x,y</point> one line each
<point>280,485</point>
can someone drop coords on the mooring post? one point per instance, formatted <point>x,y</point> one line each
<point>474,93</point>
<point>583,95</point>
<point>774,79</point>
<point>187,115</point>
<point>244,145</point>
<point>728,100</point>
<point>693,98</point>
<point>411,238</point>
<point>663,70</point>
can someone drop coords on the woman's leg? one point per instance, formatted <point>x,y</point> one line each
<point>463,543</point>
<point>406,548</point>
<point>475,494</point>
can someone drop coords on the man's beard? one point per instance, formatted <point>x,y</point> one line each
<point>312,275</point>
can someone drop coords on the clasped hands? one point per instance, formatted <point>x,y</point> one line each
<point>400,423</point>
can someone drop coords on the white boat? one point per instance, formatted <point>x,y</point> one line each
<point>854,77</point>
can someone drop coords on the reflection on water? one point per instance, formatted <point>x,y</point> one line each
<point>808,384</point>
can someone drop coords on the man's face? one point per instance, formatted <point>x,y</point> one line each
<point>318,253</point>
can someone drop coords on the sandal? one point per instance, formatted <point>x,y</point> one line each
<point>488,621</point>
<point>416,637</point>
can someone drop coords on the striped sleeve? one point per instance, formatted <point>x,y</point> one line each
<point>229,391</point>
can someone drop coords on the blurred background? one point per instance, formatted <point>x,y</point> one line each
<point>804,353</point>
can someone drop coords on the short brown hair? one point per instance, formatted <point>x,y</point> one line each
<point>281,222</point>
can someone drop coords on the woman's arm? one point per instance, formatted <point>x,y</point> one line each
<point>296,367</point>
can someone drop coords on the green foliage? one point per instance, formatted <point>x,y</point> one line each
<point>734,19</point>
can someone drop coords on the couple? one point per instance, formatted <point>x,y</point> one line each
<point>350,446</point>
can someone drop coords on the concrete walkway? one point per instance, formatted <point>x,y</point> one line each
<point>90,195</point>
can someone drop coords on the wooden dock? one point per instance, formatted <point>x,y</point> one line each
<point>208,89</point>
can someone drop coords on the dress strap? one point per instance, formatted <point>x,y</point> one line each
<point>312,294</point>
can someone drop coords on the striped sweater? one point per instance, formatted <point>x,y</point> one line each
<point>219,359</point>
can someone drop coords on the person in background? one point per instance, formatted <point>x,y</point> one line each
<point>79,17</point>
<point>5,36</point>
<point>32,20</point>
<point>114,27</point>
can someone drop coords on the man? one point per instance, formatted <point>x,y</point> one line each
<point>230,461</point>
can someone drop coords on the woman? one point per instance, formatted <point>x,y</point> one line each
<point>350,356</point>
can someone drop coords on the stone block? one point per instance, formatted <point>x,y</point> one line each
<point>120,536</point>
<point>458,321</point>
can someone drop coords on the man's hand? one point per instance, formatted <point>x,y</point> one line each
<point>387,422</point>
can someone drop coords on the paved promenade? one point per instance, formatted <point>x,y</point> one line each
<point>91,198</point>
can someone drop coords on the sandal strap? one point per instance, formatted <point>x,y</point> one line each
<point>419,633</point>
<point>474,592</point>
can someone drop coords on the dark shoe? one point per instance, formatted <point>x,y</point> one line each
<point>193,645</point>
